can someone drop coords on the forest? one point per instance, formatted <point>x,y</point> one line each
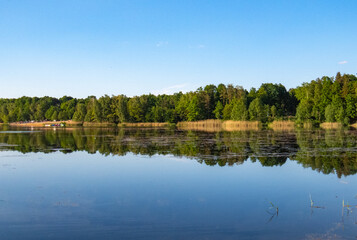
<point>326,99</point>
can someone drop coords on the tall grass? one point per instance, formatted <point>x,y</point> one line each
<point>241,125</point>
<point>42,124</point>
<point>331,125</point>
<point>145,124</point>
<point>98,124</point>
<point>214,125</point>
<point>211,125</point>
<point>282,125</point>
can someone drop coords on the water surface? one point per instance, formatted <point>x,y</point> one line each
<point>168,184</point>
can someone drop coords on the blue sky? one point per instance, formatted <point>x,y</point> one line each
<point>82,48</point>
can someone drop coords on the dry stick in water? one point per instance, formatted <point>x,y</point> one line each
<point>347,207</point>
<point>312,203</point>
<point>273,214</point>
<point>276,209</point>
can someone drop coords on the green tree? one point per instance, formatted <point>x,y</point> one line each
<point>330,113</point>
<point>93,111</point>
<point>136,109</point>
<point>80,112</point>
<point>119,108</point>
<point>239,110</point>
<point>218,111</point>
<point>256,110</point>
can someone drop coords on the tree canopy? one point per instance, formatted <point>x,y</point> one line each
<point>324,99</point>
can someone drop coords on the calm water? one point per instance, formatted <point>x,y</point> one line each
<point>167,184</point>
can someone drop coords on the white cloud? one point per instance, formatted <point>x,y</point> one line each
<point>172,89</point>
<point>343,62</point>
<point>162,43</point>
<point>199,46</point>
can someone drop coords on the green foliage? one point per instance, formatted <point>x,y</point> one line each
<point>303,111</point>
<point>330,113</point>
<point>218,111</point>
<point>256,110</point>
<point>193,109</point>
<point>350,106</point>
<point>239,110</point>
<point>80,112</point>
<point>136,109</point>
<point>323,99</point>
<point>94,113</point>
<point>227,111</point>
<point>120,109</point>
<point>328,99</point>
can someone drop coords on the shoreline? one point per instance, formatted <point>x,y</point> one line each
<point>203,125</point>
<point>68,123</point>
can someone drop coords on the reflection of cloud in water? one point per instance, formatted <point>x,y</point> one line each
<point>176,159</point>
<point>16,156</point>
<point>323,236</point>
<point>326,236</point>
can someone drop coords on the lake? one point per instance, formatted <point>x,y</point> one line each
<point>86,183</point>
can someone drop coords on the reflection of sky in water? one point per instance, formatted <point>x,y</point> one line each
<point>90,196</point>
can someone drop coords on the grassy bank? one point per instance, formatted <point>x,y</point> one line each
<point>90,124</point>
<point>218,125</point>
<point>147,124</point>
<point>282,125</point>
<point>98,124</point>
<point>212,125</point>
<point>241,125</point>
<point>331,125</point>
<point>45,123</point>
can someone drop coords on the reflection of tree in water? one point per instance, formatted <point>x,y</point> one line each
<point>328,151</point>
<point>324,151</point>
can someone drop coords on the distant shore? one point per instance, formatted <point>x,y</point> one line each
<point>45,123</point>
<point>204,125</point>
<point>70,123</point>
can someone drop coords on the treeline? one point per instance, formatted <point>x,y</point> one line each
<point>325,99</point>
<point>328,99</point>
<point>222,102</point>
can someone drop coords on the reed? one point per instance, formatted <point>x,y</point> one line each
<point>214,125</point>
<point>273,211</point>
<point>146,124</point>
<point>331,125</point>
<point>211,125</point>
<point>44,123</point>
<point>308,125</point>
<point>241,125</point>
<point>312,203</point>
<point>98,124</point>
<point>282,125</point>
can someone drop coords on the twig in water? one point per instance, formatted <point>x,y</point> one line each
<point>347,207</point>
<point>275,209</point>
<point>312,203</point>
<point>274,213</point>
